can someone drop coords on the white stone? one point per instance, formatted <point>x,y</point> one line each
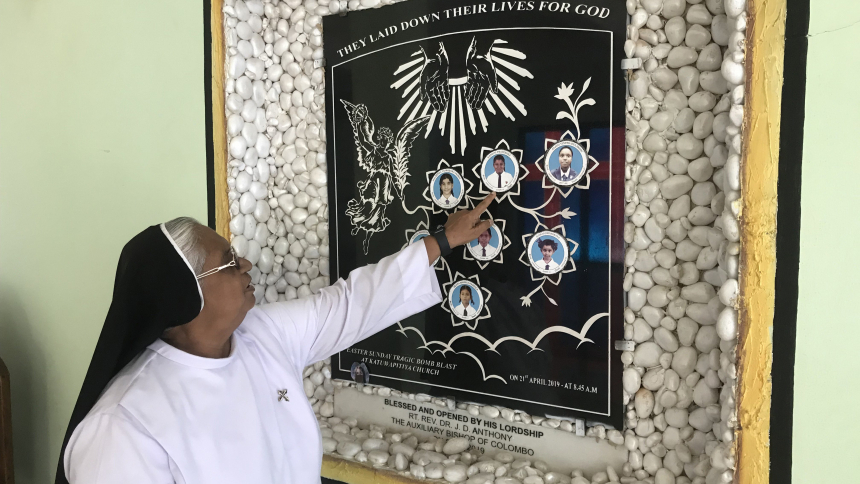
<point>727,324</point>
<point>378,457</point>
<point>666,339</point>
<point>434,470</point>
<point>735,7</point>
<point>374,444</point>
<point>455,446</point>
<point>644,403</point>
<point>703,395</point>
<point>684,361</point>
<point>399,447</point>
<point>699,14</point>
<point>707,339</point>
<point>675,186</point>
<point>454,473</point>
<point>732,71</point>
<point>688,77</point>
<point>689,146</point>
<point>709,58</point>
<point>490,411</point>
<point>676,30</point>
<point>631,380</point>
<point>347,449</point>
<point>647,355</point>
<point>639,84</point>
<point>318,177</point>
<point>329,445</point>
<point>681,56</point>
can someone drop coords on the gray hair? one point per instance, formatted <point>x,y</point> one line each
<point>185,232</point>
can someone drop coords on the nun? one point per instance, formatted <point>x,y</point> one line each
<point>191,383</point>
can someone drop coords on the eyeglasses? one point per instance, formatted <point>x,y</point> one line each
<point>232,263</point>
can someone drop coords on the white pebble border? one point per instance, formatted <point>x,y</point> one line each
<point>684,118</point>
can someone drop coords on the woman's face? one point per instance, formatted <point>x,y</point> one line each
<point>465,296</point>
<point>447,186</point>
<point>564,158</point>
<point>547,252</point>
<point>228,293</point>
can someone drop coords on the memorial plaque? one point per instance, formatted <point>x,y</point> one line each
<point>432,105</point>
<point>563,451</point>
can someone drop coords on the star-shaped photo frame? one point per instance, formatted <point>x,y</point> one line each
<point>591,164</point>
<point>522,171</point>
<point>465,201</point>
<point>499,259</point>
<point>484,312</point>
<point>554,279</point>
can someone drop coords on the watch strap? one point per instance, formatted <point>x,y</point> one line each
<point>442,240</point>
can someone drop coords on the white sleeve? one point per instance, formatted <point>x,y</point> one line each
<point>114,449</point>
<point>373,297</point>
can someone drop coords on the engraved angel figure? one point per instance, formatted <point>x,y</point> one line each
<point>386,160</point>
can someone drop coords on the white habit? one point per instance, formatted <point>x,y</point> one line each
<point>172,417</point>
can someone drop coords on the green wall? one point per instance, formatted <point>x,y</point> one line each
<point>101,134</point>
<point>825,445</point>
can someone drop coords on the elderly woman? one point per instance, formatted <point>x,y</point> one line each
<point>191,383</point>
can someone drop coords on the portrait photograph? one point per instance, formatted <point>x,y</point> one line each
<point>488,245</point>
<point>446,188</point>
<point>565,163</point>
<point>359,372</point>
<point>548,252</point>
<point>500,170</point>
<point>466,300</point>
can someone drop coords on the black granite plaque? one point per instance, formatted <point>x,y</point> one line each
<point>430,106</point>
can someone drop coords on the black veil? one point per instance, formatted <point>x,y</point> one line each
<point>155,289</point>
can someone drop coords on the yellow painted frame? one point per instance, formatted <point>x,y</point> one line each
<point>760,168</point>
<point>765,42</point>
<point>352,472</point>
<point>219,120</point>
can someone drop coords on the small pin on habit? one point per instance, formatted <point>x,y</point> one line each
<point>282,395</point>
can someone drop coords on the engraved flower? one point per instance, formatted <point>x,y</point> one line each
<point>564,92</point>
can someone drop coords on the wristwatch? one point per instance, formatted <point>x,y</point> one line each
<point>439,235</point>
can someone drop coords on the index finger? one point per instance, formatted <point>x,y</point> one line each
<point>482,207</point>
<point>480,228</point>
